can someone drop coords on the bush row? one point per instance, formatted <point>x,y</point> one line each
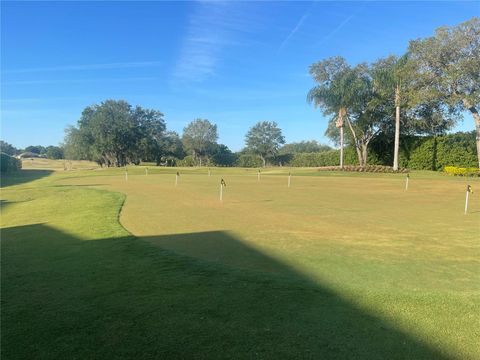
<point>367,168</point>
<point>9,163</point>
<point>459,171</point>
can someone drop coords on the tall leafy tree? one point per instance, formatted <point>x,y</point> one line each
<point>392,76</point>
<point>347,95</point>
<point>264,139</point>
<point>199,138</point>
<point>448,69</point>
<point>8,148</point>
<point>114,134</point>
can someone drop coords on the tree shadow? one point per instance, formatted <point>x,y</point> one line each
<point>22,176</point>
<point>128,297</point>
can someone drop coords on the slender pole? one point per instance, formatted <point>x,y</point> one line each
<point>221,192</point>
<point>208,172</point>
<point>406,182</point>
<point>146,171</point>
<point>466,203</point>
<point>126,175</point>
<point>341,147</point>
<point>258,175</point>
<point>469,190</point>
<point>176,179</point>
<point>289,179</point>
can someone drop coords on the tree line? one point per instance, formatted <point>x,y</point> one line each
<point>425,91</point>
<point>421,93</point>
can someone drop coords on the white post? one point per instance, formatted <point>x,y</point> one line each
<point>176,179</point>
<point>221,192</point>
<point>208,172</point>
<point>258,175</point>
<point>289,179</point>
<point>406,182</point>
<point>146,171</point>
<point>126,175</point>
<point>466,199</point>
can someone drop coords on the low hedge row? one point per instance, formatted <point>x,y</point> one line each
<point>9,163</point>
<point>367,168</point>
<point>460,171</point>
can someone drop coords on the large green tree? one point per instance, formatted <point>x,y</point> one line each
<point>347,95</point>
<point>448,69</point>
<point>114,134</point>
<point>264,139</point>
<point>8,148</point>
<point>200,138</point>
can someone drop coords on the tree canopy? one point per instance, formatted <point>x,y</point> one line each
<point>448,69</point>
<point>199,138</point>
<point>264,139</point>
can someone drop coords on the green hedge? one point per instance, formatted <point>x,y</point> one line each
<point>435,153</point>
<point>9,163</point>
<point>329,158</point>
<point>251,161</point>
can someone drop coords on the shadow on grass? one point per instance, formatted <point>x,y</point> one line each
<point>22,176</point>
<point>128,298</point>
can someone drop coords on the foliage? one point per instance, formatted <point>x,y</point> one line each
<point>8,149</point>
<point>187,161</point>
<point>36,149</point>
<point>199,138</point>
<point>352,91</point>
<point>115,134</point>
<point>310,146</point>
<point>264,139</point>
<point>461,171</point>
<point>54,152</point>
<point>434,153</point>
<point>447,69</point>
<point>223,156</point>
<point>249,161</point>
<point>9,163</point>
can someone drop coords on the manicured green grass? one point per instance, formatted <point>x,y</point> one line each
<point>336,266</point>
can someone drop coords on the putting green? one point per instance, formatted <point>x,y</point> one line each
<point>410,257</point>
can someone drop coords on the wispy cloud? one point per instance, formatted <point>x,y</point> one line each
<point>78,81</point>
<point>342,24</point>
<point>117,65</point>
<point>212,27</point>
<point>297,27</point>
<point>336,29</point>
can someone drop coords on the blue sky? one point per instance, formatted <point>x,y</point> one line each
<point>234,63</point>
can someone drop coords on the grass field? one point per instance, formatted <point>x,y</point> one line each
<point>338,266</point>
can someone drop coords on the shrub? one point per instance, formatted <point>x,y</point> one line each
<point>459,171</point>
<point>248,160</point>
<point>186,161</point>
<point>9,163</point>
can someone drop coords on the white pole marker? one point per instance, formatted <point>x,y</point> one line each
<point>289,179</point>
<point>406,182</point>
<point>469,190</point>
<point>146,171</point>
<point>176,179</point>
<point>222,185</point>
<point>258,175</point>
<point>208,172</point>
<point>126,175</point>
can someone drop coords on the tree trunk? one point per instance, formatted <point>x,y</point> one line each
<point>397,128</point>
<point>476,119</point>
<point>341,147</point>
<point>263,160</point>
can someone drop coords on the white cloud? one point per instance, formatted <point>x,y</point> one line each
<point>117,65</point>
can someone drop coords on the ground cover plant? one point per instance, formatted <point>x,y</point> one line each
<point>339,265</point>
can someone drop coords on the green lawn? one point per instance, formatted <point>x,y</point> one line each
<point>337,266</point>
